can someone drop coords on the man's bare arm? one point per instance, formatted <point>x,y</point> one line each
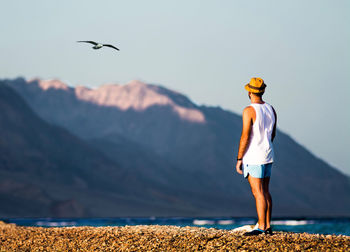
<point>248,114</point>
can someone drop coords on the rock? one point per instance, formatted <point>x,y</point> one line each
<point>246,228</point>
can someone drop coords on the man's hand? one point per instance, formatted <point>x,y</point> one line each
<point>239,167</point>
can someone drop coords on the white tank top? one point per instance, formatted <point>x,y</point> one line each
<point>260,148</point>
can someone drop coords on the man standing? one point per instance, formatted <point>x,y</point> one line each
<point>255,153</point>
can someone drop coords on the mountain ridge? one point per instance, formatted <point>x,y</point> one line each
<point>134,95</point>
<point>203,152</point>
<point>45,171</point>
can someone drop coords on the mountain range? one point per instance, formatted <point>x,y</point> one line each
<point>141,149</point>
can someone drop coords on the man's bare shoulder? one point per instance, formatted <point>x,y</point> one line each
<point>249,110</point>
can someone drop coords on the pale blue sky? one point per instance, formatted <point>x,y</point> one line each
<point>205,49</point>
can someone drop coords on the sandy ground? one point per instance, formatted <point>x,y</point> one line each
<point>159,238</point>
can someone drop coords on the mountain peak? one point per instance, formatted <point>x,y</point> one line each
<point>135,95</point>
<point>139,96</point>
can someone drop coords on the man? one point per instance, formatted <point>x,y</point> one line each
<point>255,153</point>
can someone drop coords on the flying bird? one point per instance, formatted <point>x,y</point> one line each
<point>99,45</point>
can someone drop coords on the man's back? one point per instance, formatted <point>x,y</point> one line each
<point>260,149</point>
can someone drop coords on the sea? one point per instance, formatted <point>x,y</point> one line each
<point>337,226</point>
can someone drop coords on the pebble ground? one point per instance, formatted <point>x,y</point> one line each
<point>159,238</point>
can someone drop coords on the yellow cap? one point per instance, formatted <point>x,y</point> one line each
<point>256,85</point>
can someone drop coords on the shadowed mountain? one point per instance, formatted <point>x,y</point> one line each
<point>186,148</point>
<point>47,171</point>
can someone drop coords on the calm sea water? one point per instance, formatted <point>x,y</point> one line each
<point>314,226</point>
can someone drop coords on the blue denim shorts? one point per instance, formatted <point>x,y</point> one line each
<point>257,171</point>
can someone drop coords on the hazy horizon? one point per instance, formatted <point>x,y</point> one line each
<point>203,49</point>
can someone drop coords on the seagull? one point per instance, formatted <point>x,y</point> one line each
<point>99,45</point>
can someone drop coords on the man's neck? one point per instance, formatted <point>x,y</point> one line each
<point>256,99</point>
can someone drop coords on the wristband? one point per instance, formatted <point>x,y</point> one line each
<point>239,159</point>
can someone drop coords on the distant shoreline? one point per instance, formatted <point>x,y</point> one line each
<point>158,238</point>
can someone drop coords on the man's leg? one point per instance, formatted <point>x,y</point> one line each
<point>256,184</point>
<point>268,198</point>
